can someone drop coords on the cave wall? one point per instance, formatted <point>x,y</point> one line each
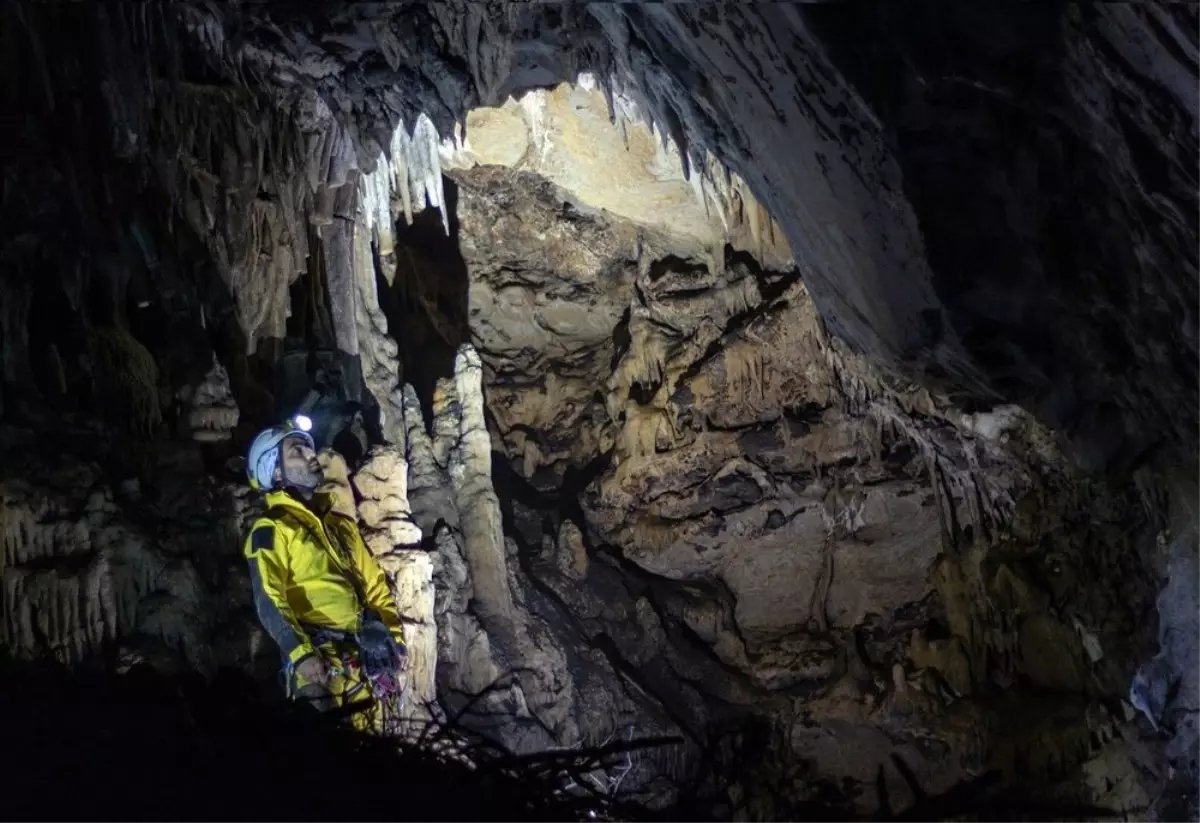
<point>712,500</point>
<point>844,146</point>
<point>805,541</point>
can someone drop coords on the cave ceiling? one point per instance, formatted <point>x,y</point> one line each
<point>823,370</point>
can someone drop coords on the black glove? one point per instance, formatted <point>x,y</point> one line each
<point>380,653</point>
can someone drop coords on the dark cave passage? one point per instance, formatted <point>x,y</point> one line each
<point>426,303</point>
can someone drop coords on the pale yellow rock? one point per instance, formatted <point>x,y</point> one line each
<point>411,573</point>
<point>385,475</point>
<point>394,534</point>
<point>565,135</point>
<point>469,461</point>
<point>386,518</point>
<point>214,413</point>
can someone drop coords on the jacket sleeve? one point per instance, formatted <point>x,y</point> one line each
<point>267,555</point>
<point>377,591</point>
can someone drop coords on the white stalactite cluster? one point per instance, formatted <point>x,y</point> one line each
<point>412,171</point>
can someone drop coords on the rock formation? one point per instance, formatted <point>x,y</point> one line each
<point>815,543</point>
<point>85,579</point>
<point>213,413</point>
<point>815,383</point>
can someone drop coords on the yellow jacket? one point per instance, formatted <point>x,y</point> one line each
<point>304,570</point>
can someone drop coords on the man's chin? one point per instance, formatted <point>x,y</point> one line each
<point>308,485</point>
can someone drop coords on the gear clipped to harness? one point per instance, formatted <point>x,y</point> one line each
<point>383,659</point>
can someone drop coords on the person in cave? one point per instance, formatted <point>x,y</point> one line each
<point>317,589</point>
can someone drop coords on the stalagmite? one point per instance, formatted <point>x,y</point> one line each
<point>429,490</point>
<point>214,413</point>
<point>471,474</point>
<point>411,573</point>
<point>382,485</point>
<point>395,540</point>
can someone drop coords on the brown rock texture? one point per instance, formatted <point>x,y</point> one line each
<point>746,515</point>
<point>815,382</point>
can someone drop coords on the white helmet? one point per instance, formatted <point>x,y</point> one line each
<point>263,457</point>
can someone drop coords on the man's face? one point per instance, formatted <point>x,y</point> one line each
<point>301,468</point>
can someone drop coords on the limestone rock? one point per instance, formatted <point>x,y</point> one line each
<point>566,136</point>
<point>377,350</point>
<point>429,491</point>
<point>411,573</point>
<point>79,573</point>
<point>780,529</point>
<point>213,413</point>
<point>571,553</point>
<point>387,528</point>
<point>813,523</point>
<point>382,485</point>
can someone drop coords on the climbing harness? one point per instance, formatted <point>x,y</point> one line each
<point>379,671</point>
<point>371,651</point>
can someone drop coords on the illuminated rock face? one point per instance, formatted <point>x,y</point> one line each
<point>565,135</point>
<point>812,537</point>
<point>738,416</point>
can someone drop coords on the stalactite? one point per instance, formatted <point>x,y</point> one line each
<point>54,604</point>
<point>340,264</point>
<point>378,350</point>
<point>412,169</point>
